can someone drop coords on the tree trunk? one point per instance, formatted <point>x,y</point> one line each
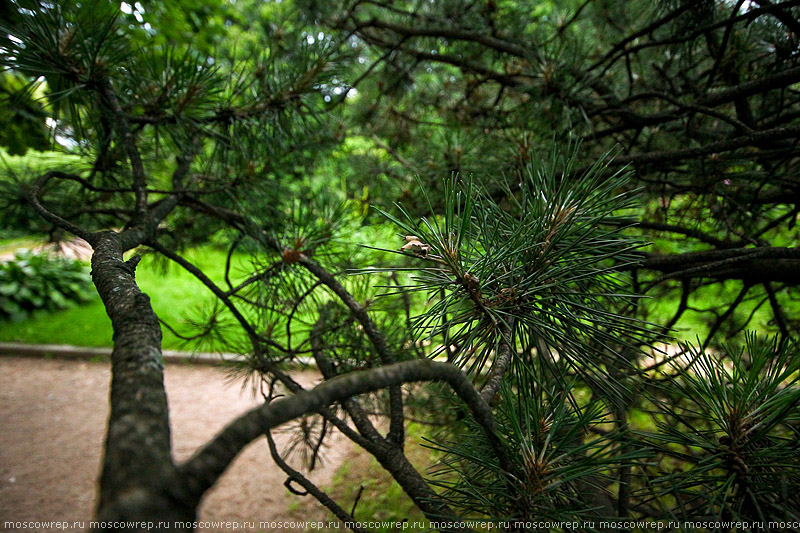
<point>137,480</point>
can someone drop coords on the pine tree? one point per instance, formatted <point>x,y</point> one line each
<point>520,256</point>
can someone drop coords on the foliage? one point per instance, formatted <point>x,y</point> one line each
<point>16,172</point>
<point>528,273</point>
<point>549,477</point>
<point>533,277</point>
<point>541,270</point>
<point>32,282</point>
<point>735,428</point>
<point>22,117</point>
<point>699,96</point>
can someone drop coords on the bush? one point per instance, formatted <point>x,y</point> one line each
<point>31,282</point>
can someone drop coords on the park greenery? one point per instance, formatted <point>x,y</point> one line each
<point>559,235</point>
<point>31,282</point>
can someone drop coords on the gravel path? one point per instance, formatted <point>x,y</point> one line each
<point>52,423</point>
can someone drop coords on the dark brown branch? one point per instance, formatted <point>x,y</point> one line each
<point>723,47</point>
<point>457,61</point>
<point>667,156</point>
<point>205,467</point>
<point>628,49</point>
<point>727,314</point>
<point>86,184</point>
<point>681,230</point>
<point>505,353</point>
<point>751,88</point>
<point>785,16</point>
<point>310,487</point>
<point>396,417</point>
<point>777,311</point>
<point>686,288</point>
<point>137,450</point>
<point>650,28</point>
<point>351,405</point>
<point>126,137</point>
<point>563,27</point>
<point>34,195</point>
<point>454,34</point>
<point>158,212</point>
<point>754,265</point>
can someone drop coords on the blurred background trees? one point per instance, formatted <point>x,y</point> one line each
<point>700,99</point>
<point>534,150</point>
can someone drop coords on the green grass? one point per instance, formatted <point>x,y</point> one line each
<point>382,499</point>
<point>693,325</point>
<point>11,245</point>
<point>175,295</point>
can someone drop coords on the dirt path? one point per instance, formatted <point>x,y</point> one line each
<point>52,422</point>
<point>72,249</point>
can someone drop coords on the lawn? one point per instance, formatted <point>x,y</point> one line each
<point>178,297</point>
<point>10,245</point>
<point>378,498</point>
<point>175,295</point>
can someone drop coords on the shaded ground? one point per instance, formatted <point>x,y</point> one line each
<point>52,423</point>
<point>73,249</point>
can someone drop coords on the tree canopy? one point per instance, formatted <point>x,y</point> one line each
<point>560,189</point>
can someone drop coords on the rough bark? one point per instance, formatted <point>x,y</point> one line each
<point>137,466</point>
<point>140,481</point>
<point>205,467</point>
<point>752,265</point>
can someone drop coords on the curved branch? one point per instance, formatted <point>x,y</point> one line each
<point>777,310</point>
<point>207,465</point>
<point>650,28</point>
<point>34,197</point>
<point>454,34</point>
<point>328,370</point>
<point>396,417</point>
<point>755,265</point>
<point>681,230</point>
<point>310,487</point>
<point>128,140</point>
<point>502,363</point>
<point>666,156</point>
<point>726,315</point>
<point>785,17</point>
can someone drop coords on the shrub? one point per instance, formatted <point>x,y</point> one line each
<point>30,282</point>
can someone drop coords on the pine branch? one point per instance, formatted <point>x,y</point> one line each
<point>310,487</point>
<point>205,467</point>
